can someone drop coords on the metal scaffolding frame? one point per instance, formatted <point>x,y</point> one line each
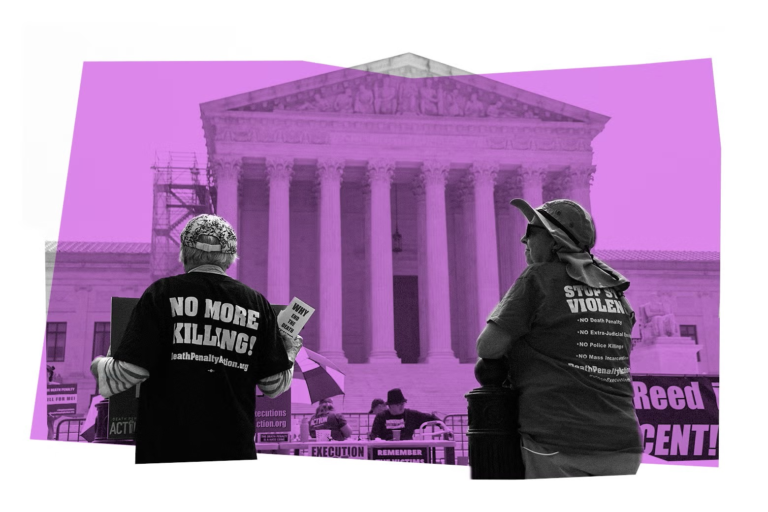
<point>182,189</point>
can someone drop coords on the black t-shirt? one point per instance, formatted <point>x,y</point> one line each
<point>406,423</point>
<point>206,339</point>
<point>329,421</point>
<point>569,361</point>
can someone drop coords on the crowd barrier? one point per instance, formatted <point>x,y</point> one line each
<point>361,423</point>
<point>678,415</point>
<point>68,429</point>
<point>652,421</point>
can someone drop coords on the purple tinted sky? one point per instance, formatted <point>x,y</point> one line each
<point>657,185</point>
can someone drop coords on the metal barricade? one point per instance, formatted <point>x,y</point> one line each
<point>459,423</point>
<point>361,424</point>
<point>68,429</point>
<point>439,454</point>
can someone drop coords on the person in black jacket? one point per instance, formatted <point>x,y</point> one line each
<point>398,418</point>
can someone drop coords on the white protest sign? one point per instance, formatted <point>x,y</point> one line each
<point>294,317</point>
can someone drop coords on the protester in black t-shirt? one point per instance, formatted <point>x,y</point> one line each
<point>565,329</point>
<point>199,343</point>
<point>326,418</point>
<point>398,418</point>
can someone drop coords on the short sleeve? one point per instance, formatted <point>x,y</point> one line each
<point>629,310</point>
<point>271,357</point>
<point>515,313</point>
<point>145,342</point>
<point>340,421</point>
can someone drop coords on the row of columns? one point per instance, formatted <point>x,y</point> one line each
<point>429,188</point>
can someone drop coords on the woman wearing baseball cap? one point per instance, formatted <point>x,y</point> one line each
<point>564,328</point>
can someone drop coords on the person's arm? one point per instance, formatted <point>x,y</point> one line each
<point>344,428</point>
<point>275,385</point>
<point>423,417</point>
<point>377,430</point>
<point>512,317</point>
<point>493,342</point>
<point>116,376</point>
<point>139,348</point>
<point>629,310</point>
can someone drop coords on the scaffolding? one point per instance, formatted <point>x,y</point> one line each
<point>182,189</point>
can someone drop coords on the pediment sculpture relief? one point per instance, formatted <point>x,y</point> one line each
<point>391,95</point>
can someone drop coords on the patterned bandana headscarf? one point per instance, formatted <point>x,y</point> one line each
<point>574,232</point>
<point>210,225</point>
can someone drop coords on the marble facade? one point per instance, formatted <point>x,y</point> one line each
<point>315,173</point>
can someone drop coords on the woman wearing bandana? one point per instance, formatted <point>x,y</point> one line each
<point>564,328</point>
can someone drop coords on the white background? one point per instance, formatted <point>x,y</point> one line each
<point>46,46</point>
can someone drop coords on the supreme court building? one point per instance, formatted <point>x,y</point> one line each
<point>380,196</point>
<point>316,175</point>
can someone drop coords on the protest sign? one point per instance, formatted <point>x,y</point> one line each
<point>62,399</point>
<point>274,437</point>
<point>294,317</point>
<point>273,414</point>
<point>345,451</point>
<point>678,415</point>
<point>417,454</point>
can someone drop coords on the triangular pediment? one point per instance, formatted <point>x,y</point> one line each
<point>405,85</point>
<point>410,65</point>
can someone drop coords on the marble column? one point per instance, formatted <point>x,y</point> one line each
<point>509,224</point>
<point>578,181</point>
<point>367,277</point>
<point>466,199</point>
<point>228,173</point>
<point>434,175</point>
<point>483,176</point>
<point>531,178</point>
<point>380,174</point>
<point>421,233</point>
<point>554,186</point>
<point>329,175</point>
<point>279,174</point>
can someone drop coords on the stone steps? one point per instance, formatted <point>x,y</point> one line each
<point>428,387</point>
